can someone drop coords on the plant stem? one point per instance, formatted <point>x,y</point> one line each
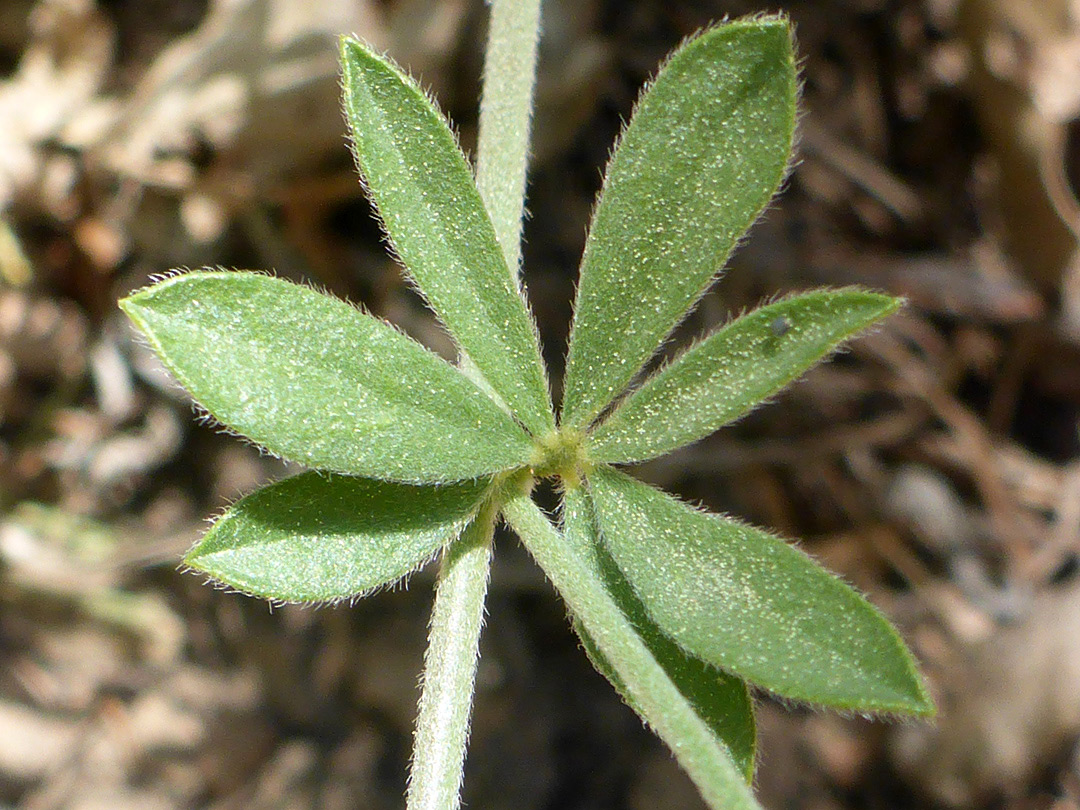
<point>450,661</point>
<point>652,693</point>
<point>505,115</point>
<point>450,669</point>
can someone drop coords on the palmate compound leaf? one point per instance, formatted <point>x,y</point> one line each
<point>315,380</point>
<point>721,701</point>
<point>702,155</point>
<point>752,604</point>
<point>433,213</point>
<point>649,687</point>
<point>320,537</point>
<point>727,374</point>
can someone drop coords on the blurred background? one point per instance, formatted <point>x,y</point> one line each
<point>934,464</point>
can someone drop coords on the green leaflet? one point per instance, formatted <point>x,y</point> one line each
<point>752,604</point>
<point>731,371</point>
<point>319,538</point>
<point>433,213</point>
<point>721,701</point>
<point>311,378</point>
<point>704,152</point>
<point>649,687</point>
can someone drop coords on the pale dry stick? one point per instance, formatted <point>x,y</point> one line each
<point>972,444</point>
<point>962,620</point>
<point>727,455</point>
<point>862,170</point>
<point>1062,537</point>
<point>1038,483</point>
